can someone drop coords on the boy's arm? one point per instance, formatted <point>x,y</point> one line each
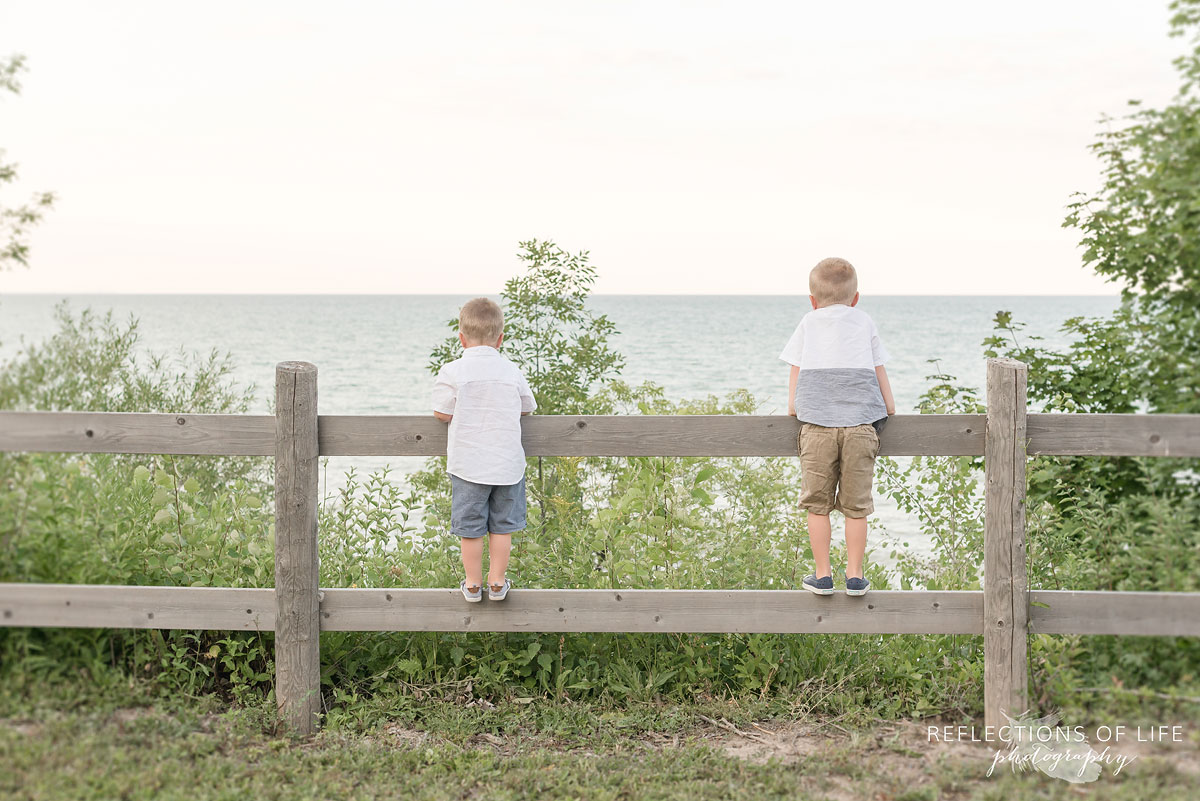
<point>528,404</point>
<point>886,388</point>
<point>793,377</point>
<point>445,394</point>
<point>793,354</point>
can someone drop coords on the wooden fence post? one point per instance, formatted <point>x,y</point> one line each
<point>297,605</point>
<point>1005,583</point>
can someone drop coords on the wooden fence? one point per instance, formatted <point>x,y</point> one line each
<point>297,609</point>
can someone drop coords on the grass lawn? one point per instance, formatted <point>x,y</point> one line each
<point>404,748</point>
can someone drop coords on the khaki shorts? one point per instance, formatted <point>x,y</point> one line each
<point>837,466</point>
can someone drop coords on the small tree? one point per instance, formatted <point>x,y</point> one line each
<point>549,332</point>
<point>16,221</point>
<point>1142,227</point>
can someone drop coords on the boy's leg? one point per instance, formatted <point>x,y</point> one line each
<point>506,515</point>
<point>860,446</point>
<point>472,559</point>
<point>499,547</point>
<point>819,536</point>
<point>819,460</point>
<point>856,546</point>
<point>468,521</point>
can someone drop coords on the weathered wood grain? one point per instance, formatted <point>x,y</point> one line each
<point>784,611</point>
<point>1005,585</point>
<point>1176,435</point>
<point>1139,613</point>
<point>1114,435</point>
<point>645,435</point>
<point>297,605</point>
<point>779,611</point>
<point>119,432</point>
<point>91,606</point>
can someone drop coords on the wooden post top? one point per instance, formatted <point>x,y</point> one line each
<point>295,367</point>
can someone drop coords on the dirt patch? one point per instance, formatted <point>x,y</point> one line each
<point>891,759</point>
<point>761,742</point>
<point>791,740</point>
<point>130,714</point>
<point>404,737</point>
<point>23,727</point>
<point>905,754</point>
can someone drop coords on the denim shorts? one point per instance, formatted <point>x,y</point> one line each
<point>478,509</point>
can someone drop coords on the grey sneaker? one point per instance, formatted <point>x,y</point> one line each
<point>821,586</point>
<point>473,595</point>
<point>857,586</point>
<point>498,592</point>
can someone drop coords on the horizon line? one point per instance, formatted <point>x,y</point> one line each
<point>593,295</point>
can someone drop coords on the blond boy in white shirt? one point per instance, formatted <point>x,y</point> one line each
<point>839,391</point>
<point>483,396</point>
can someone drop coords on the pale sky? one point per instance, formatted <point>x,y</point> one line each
<point>698,147</point>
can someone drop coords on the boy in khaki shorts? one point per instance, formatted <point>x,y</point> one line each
<point>838,389</point>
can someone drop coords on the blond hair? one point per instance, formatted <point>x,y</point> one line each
<point>833,281</point>
<point>480,321</point>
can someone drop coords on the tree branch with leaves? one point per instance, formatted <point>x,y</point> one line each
<point>16,222</point>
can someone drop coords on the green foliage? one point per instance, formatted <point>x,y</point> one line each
<point>1141,226</point>
<point>1105,523</point>
<point>944,495</point>
<point>143,520</point>
<point>549,332</point>
<point>16,221</point>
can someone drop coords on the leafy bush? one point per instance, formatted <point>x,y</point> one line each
<point>118,519</point>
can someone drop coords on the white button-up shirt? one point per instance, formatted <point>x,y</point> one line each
<point>487,395</point>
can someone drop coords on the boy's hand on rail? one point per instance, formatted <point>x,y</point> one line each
<point>445,418</point>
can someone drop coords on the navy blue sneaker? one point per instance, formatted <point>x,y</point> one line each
<point>857,586</point>
<point>821,586</point>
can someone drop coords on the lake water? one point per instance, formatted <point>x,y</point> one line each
<point>372,351</point>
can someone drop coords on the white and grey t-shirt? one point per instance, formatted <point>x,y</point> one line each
<point>837,349</point>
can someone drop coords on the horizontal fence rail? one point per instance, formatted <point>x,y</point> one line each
<point>103,606</point>
<point>646,611</point>
<point>1005,612</point>
<point>587,435</point>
